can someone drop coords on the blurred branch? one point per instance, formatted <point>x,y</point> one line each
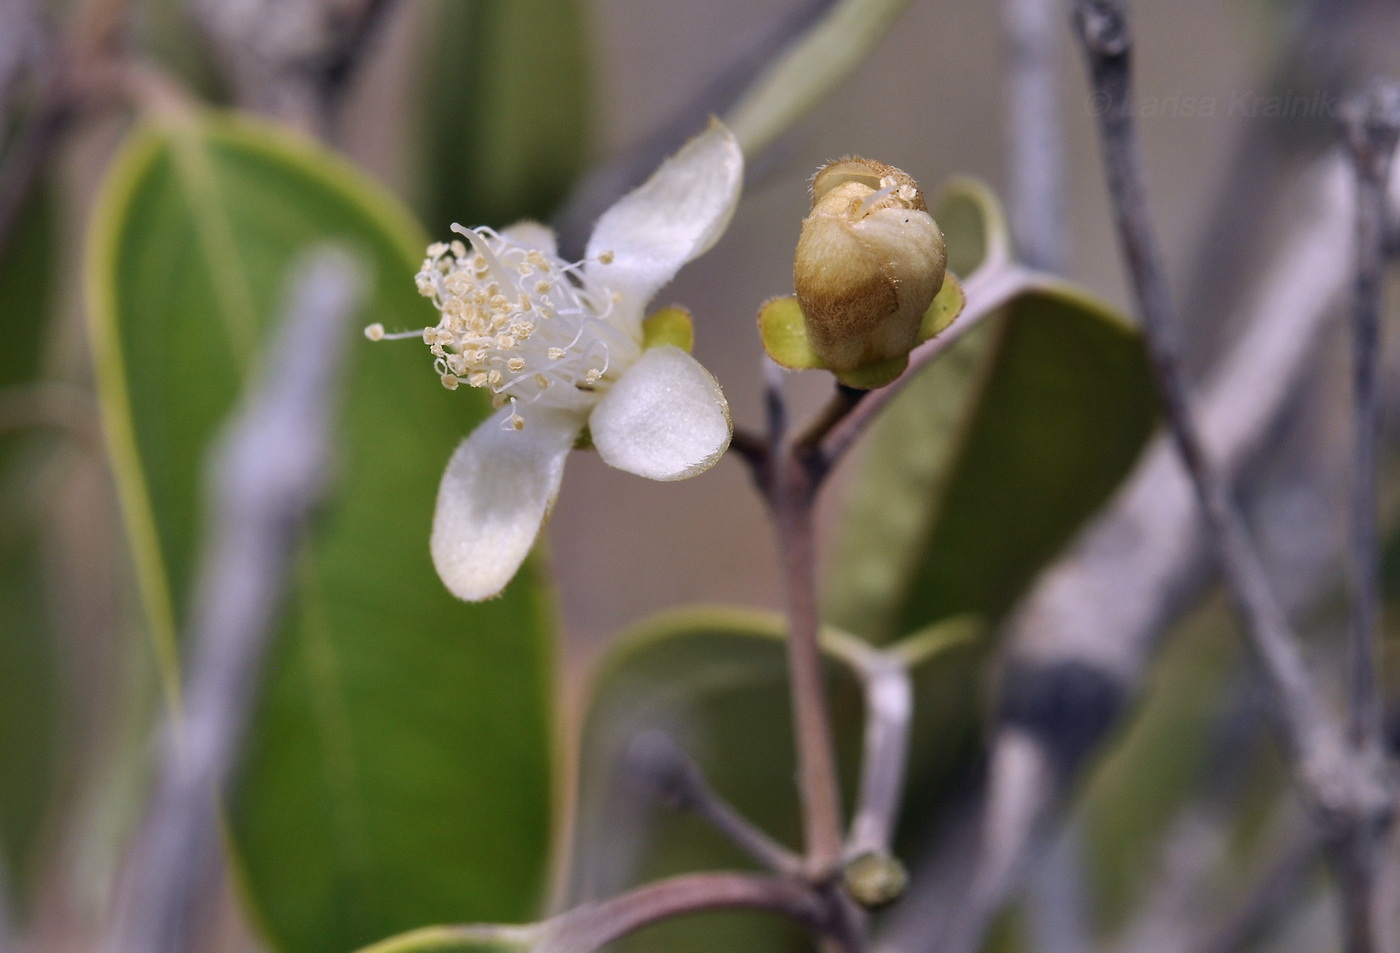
<point>1081,638</point>
<point>68,72</point>
<point>1035,132</point>
<point>1351,789</point>
<point>1371,122</point>
<point>808,69</point>
<point>265,475</point>
<point>678,782</point>
<point>294,59</point>
<point>596,191</point>
<point>1272,895</point>
<point>50,404</point>
<point>889,707</point>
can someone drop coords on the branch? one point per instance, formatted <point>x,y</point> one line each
<point>678,782</point>
<point>986,291</point>
<point>1093,618</point>
<point>889,706</point>
<point>1349,792</point>
<point>266,474</point>
<point>1035,134</point>
<point>596,192</point>
<point>294,59</point>
<point>1371,122</point>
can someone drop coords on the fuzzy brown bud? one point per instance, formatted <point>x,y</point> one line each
<point>869,262</point>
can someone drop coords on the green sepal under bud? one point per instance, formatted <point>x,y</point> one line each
<point>783,328</point>
<point>875,879</point>
<point>869,262</point>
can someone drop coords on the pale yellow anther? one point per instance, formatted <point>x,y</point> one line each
<point>478,379</point>
<point>606,257</point>
<point>556,353</point>
<point>375,332</point>
<point>542,287</point>
<point>515,365</point>
<point>541,380</point>
<point>449,381</point>
<point>429,336</point>
<point>494,377</point>
<point>459,250</point>
<point>516,421</point>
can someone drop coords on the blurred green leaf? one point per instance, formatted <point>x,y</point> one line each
<point>715,680</point>
<point>398,769</point>
<point>484,938</point>
<point>983,468</point>
<point>507,117</point>
<point>28,664</point>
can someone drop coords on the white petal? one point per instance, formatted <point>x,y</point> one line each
<point>495,494</point>
<point>665,418</point>
<point>674,217</point>
<point>533,235</point>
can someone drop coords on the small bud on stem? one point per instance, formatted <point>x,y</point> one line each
<point>869,262</point>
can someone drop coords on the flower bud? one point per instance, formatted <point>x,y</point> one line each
<point>869,262</point>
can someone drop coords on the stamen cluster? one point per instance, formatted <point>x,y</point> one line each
<point>518,321</point>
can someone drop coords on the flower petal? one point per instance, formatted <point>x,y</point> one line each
<point>674,217</point>
<point>532,234</point>
<point>495,494</point>
<point>665,418</point>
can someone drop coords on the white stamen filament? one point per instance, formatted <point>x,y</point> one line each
<point>520,322</point>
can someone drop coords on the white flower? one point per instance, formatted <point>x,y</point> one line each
<point>560,346</point>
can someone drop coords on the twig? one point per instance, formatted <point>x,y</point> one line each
<point>678,781</point>
<point>791,501</point>
<point>1098,611</point>
<point>1310,732</point>
<point>1272,895</point>
<point>1372,123</point>
<point>66,85</point>
<point>988,290</point>
<point>51,404</point>
<point>294,59</point>
<point>265,476</point>
<point>1035,134</point>
<point>889,706</point>
<point>590,928</point>
<point>605,184</point>
<point>1350,790</point>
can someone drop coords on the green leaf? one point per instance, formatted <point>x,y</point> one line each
<point>485,938</point>
<point>973,225</point>
<point>715,679</point>
<point>507,117</point>
<point>983,468</point>
<point>29,698</point>
<point>398,767</point>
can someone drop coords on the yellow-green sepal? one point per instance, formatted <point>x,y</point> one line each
<point>783,330</point>
<point>944,309</point>
<point>671,325</point>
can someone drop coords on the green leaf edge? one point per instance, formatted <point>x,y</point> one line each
<point>114,199</point>
<point>459,939</point>
<point>125,172</point>
<point>914,649</point>
<point>996,235</point>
